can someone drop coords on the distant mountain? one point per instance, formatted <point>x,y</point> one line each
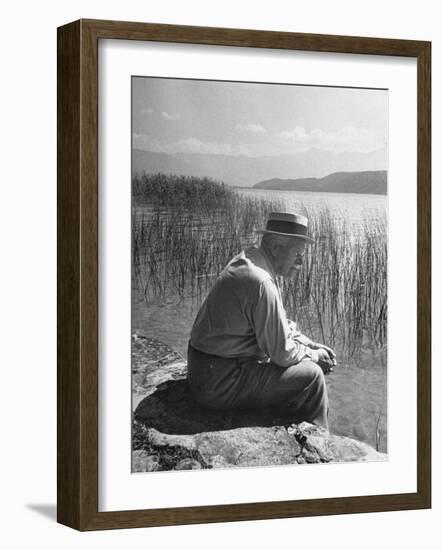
<point>373,182</point>
<point>245,171</point>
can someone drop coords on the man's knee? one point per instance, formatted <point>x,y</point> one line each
<point>312,372</point>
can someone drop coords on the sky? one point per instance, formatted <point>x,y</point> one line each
<point>255,119</point>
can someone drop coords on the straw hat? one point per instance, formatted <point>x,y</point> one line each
<point>287,224</point>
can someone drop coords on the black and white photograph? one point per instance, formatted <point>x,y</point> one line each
<point>221,253</point>
<point>259,274</point>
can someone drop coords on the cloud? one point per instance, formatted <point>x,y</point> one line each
<point>188,145</point>
<point>347,139</point>
<point>147,143</point>
<point>146,111</point>
<point>194,145</point>
<point>169,117</point>
<point>252,128</point>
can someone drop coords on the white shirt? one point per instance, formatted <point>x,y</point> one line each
<point>243,315</point>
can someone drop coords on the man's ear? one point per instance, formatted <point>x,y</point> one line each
<point>273,247</point>
<point>278,247</point>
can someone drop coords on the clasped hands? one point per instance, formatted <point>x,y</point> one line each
<point>326,357</point>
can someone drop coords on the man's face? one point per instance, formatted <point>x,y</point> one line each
<point>290,258</point>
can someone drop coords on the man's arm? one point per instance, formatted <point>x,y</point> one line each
<point>296,335</point>
<point>272,329</point>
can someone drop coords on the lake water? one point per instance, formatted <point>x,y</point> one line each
<point>353,208</point>
<point>357,388</point>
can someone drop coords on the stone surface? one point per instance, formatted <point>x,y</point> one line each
<point>152,363</point>
<point>188,464</point>
<point>143,462</point>
<point>177,433</point>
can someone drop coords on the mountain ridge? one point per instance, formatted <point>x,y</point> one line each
<point>373,182</point>
<point>244,171</point>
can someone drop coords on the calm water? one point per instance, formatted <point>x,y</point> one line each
<point>358,389</point>
<point>353,208</point>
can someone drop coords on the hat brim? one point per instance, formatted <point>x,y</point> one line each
<point>304,237</point>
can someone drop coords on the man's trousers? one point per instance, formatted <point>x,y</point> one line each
<point>223,383</point>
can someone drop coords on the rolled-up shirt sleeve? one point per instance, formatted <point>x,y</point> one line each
<point>272,328</point>
<point>296,334</point>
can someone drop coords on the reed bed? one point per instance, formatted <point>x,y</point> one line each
<point>183,192</point>
<point>184,231</point>
<point>340,295</point>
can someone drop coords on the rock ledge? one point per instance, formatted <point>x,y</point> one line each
<point>172,432</point>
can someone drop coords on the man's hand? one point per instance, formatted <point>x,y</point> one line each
<point>331,353</point>
<point>324,361</point>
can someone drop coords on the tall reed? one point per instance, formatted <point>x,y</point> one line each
<point>340,295</point>
<point>184,231</point>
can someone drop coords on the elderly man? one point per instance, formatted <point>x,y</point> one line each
<point>243,351</point>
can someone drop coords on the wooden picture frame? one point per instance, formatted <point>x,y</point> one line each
<point>77,224</point>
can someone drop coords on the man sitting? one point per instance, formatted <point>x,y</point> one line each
<point>243,351</point>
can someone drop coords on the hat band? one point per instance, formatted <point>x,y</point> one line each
<point>281,226</point>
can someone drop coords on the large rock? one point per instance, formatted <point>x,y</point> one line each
<point>172,432</point>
